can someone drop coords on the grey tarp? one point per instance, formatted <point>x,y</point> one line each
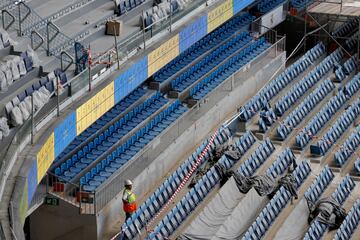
<point>327,211</point>
<point>206,224</point>
<point>299,218</point>
<point>242,216</point>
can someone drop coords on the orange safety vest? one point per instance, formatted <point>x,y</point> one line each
<point>129,206</point>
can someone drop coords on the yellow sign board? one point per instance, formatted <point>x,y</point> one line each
<point>94,108</point>
<point>220,15</point>
<point>163,54</point>
<point>45,157</point>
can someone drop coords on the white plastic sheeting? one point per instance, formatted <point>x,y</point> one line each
<point>3,82</point>
<point>228,215</point>
<point>24,111</point>
<point>4,127</point>
<point>16,117</point>
<point>34,57</point>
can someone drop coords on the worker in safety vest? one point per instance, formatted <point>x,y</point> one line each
<point>129,198</point>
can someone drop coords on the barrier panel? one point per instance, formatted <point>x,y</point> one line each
<point>131,79</point>
<point>65,133</point>
<point>45,157</point>
<point>239,5</point>
<point>32,181</point>
<point>220,15</point>
<point>193,33</point>
<point>163,54</point>
<point>94,108</point>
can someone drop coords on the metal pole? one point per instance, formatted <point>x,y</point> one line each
<point>305,30</point>
<point>171,11</point>
<point>358,45</point>
<point>19,19</point>
<point>143,28</point>
<point>323,28</point>
<point>116,48</point>
<point>57,97</point>
<point>89,63</point>
<point>32,119</point>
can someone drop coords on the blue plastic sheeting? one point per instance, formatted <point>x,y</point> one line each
<point>239,5</point>
<point>192,33</point>
<point>32,181</point>
<point>131,79</point>
<point>65,133</point>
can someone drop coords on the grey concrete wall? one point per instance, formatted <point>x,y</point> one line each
<point>203,119</point>
<point>61,222</point>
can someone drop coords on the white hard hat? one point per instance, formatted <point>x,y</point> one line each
<point>127,182</point>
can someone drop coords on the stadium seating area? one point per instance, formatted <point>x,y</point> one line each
<point>276,205</point>
<point>198,49</point>
<point>335,132</point>
<point>326,113</point>
<point>229,67</point>
<point>110,136</point>
<point>317,228</point>
<point>211,61</point>
<point>348,148</point>
<point>304,108</point>
<point>350,223</point>
<point>276,85</point>
<point>114,161</point>
<point>322,181</point>
<point>268,5</point>
<point>124,6</point>
<point>346,28</point>
<point>108,117</point>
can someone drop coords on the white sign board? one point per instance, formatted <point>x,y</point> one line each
<point>272,19</point>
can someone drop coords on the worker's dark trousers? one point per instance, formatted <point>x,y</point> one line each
<point>127,216</point>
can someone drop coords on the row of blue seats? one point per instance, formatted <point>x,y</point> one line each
<point>279,201</point>
<point>305,84</point>
<point>344,189</point>
<point>256,159</point>
<point>353,85</point>
<point>193,198</point>
<point>114,161</point>
<point>320,119</point>
<point>200,47</point>
<point>99,145</point>
<point>346,28</point>
<point>267,118</point>
<point>300,4</point>
<point>304,108</point>
<point>319,185</point>
<point>345,70</point>
<point>231,66</point>
<point>317,229</point>
<point>350,223</point>
<point>260,100</point>
<point>124,6</point>
<point>281,164</point>
<point>267,5</point>
<point>336,131</point>
<point>154,203</point>
<point>209,62</point>
<point>103,120</point>
<point>347,148</point>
